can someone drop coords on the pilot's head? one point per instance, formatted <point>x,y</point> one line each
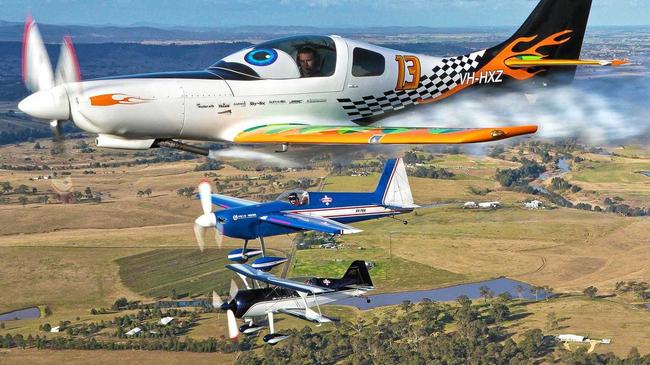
<point>309,62</point>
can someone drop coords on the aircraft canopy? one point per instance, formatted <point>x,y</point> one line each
<point>285,58</point>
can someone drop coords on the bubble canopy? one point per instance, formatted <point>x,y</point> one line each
<point>280,59</point>
<point>294,197</point>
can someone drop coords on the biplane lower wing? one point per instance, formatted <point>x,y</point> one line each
<point>307,315</point>
<point>311,134</point>
<point>271,279</point>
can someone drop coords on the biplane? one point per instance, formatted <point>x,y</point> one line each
<point>266,295</point>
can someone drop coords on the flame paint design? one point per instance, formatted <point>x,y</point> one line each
<point>115,99</point>
<point>499,61</point>
<point>508,52</point>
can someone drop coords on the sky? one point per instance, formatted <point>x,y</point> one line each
<point>318,13</point>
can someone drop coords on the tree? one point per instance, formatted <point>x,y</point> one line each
<point>6,186</point>
<point>22,200</point>
<point>148,192</point>
<point>140,193</point>
<point>590,292</point>
<point>552,321</point>
<point>486,293</point>
<point>88,193</point>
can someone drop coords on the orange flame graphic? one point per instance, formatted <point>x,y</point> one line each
<point>114,99</point>
<point>499,61</point>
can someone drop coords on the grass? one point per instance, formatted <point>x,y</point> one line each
<point>100,357</point>
<point>597,319</point>
<point>87,255</point>
<point>389,274</point>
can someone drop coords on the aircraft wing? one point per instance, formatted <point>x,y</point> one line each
<point>307,315</point>
<point>311,223</point>
<point>313,134</point>
<point>268,278</point>
<point>228,202</point>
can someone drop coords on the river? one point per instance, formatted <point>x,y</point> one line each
<point>26,313</point>
<point>471,290</point>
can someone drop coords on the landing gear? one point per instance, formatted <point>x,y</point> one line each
<point>273,338</point>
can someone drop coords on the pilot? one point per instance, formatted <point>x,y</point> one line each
<point>293,199</point>
<point>309,62</point>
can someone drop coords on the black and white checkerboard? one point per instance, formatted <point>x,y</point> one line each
<point>445,76</point>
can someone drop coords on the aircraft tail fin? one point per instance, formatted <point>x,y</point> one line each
<point>554,30</point>
<point>393,188</point>
<point>357,274</point>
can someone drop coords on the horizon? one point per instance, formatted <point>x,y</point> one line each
<point>307,13</point>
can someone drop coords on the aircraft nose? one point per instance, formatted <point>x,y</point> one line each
<point>232,305</point>
<point>47,104</point>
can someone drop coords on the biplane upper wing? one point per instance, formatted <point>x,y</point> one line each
<point>313,134</point>
<point>311,223</point>
<point>268,278</point>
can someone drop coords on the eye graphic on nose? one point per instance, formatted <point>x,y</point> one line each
<point>261,56</point>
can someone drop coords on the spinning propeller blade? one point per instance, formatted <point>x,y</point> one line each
<point>49,100</point>
<point>216,300</point>
<point>233,331</point>
<point>198,234</point>
<point>234,289</point>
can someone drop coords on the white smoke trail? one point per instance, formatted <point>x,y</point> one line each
<point>266,158</point>
<point>597,111</point>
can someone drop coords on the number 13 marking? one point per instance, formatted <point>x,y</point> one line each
<point>410,65</point>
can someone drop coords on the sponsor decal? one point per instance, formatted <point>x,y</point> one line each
<point>255,103</point>
<point>277,101</point>
<point>482,77</point>
<point>224,105</point>
<point>239,103</point>
<point>114,99</point>
<point>326,282</point>
<point>360,210</point>
<point>326,200</point>
<point>296,101</point>
<point>244,216</point>
<point>311,101</point>
<point>204,106</point>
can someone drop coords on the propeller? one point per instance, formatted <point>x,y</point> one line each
<point>49,99</point>
<point>207,219</point>
<point>228,306</point>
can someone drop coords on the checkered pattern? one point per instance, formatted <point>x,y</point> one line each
<point>445,76</point>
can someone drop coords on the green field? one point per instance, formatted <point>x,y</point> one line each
<point>389,273</point>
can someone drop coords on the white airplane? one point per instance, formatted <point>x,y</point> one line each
<point>266,295</point>
<point>303,89</point>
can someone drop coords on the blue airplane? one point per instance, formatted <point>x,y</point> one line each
<point>297,210</point>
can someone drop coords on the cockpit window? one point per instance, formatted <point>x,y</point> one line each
<point>367,63</point>
<point>295,197</point>
<point>286,58</point>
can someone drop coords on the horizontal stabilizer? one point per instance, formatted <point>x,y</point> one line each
<point>543,62</point>
<point>311,134</point>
